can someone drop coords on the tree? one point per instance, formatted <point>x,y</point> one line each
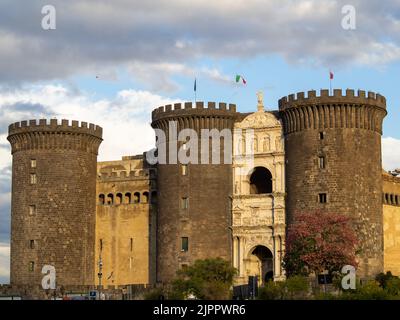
<point>319,241</point>
<point>209,279</point>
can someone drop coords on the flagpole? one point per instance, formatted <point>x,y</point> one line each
<point>195,90</point>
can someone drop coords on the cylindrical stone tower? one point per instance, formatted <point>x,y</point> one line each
<point>333,163</point>
<point>194,200</point>
<point>53,201</point>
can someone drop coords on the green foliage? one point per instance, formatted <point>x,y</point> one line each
<point>154,294</point>
<point>272,291</point>
<point>209,279</point>
<point>384,278</point>
<point>369,291</point>
<point>393,286</point>
<point>295,287</point>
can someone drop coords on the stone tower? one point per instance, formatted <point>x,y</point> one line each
<point>53,200</point>
<point>194,200</point>
<point>333,162</point>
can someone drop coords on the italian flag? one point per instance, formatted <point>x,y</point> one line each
<point>239,77</point>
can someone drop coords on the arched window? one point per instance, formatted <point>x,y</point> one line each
<point>136,197</point>
<point>128,197</point>
<point>153,198</point>
<point>396,200</point>
<point>110,198</point>
<point>391,199</point>
<point>386,198</point>
<point>145,197</point>
<point>260,181</point>
<point>118,199</point>
<point>102,199</point>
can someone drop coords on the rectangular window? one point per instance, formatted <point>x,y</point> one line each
<point>321,162</point>
<point>32,210</point>
<point>321,135</point>
<point>32,244</point>
<point>185,244</point>
<point>184,266</point>
<point>31,266</point>
<point>184,203</point>
<point>33,163</point>
<point>184,169</point>
<point>322,198</point>
<point>131,244</point>
<point>101,244</point>
<point>33,178</point>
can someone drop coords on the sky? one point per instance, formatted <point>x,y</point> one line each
<point>112,62</point>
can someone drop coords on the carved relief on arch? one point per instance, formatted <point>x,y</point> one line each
<point>266,143</point>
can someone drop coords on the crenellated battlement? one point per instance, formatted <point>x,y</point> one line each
<point>338,97</point>
<point>42,135</point>
<point>189,108</point>
<point>365,110</point>
<point>54,125</point>
<point>128,175</point>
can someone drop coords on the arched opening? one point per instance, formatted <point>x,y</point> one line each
<point>261,181</point>
<point>110,198</point>
<point>261,264</point>
<point>386,198</point>
<point>118,199</point>
<point>153,198</point>
<point>145,197</point>
<point>102,199</point>
<point>128,197</point>
<point>136,197</point>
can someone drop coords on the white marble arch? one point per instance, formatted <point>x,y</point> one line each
<point>258,219</point>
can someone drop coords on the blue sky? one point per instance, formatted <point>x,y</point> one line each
<point>112,62</point>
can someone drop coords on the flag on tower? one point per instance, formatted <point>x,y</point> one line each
<point>195,85</point>
<point>331,75</point>
<point>239,77</point>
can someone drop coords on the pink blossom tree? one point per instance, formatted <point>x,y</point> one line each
<point>319,241</point>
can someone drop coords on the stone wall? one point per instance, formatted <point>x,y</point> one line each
<point>206,219</point>
<point>343,131</point>
<point>125,222</point>
<point>391,223</point>
<point>53,200</point>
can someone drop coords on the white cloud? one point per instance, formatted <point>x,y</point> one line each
<point>158,39</point>
<point>390,153</point>
<point>125,118</point>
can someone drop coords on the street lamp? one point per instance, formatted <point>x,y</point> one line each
<point>100,274</point>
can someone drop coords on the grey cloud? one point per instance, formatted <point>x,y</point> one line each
<point>10,113</point>
<point>106,34</point>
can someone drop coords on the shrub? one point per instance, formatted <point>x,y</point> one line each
<point>383,278</point>
<point>297,287</point>
<point>393,286</point>
<point>369,291</point>
<point>209,279</point>
<point>154,294</point>
<point>272,291</point>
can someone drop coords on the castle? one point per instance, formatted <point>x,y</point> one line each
<point>132,222</point>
